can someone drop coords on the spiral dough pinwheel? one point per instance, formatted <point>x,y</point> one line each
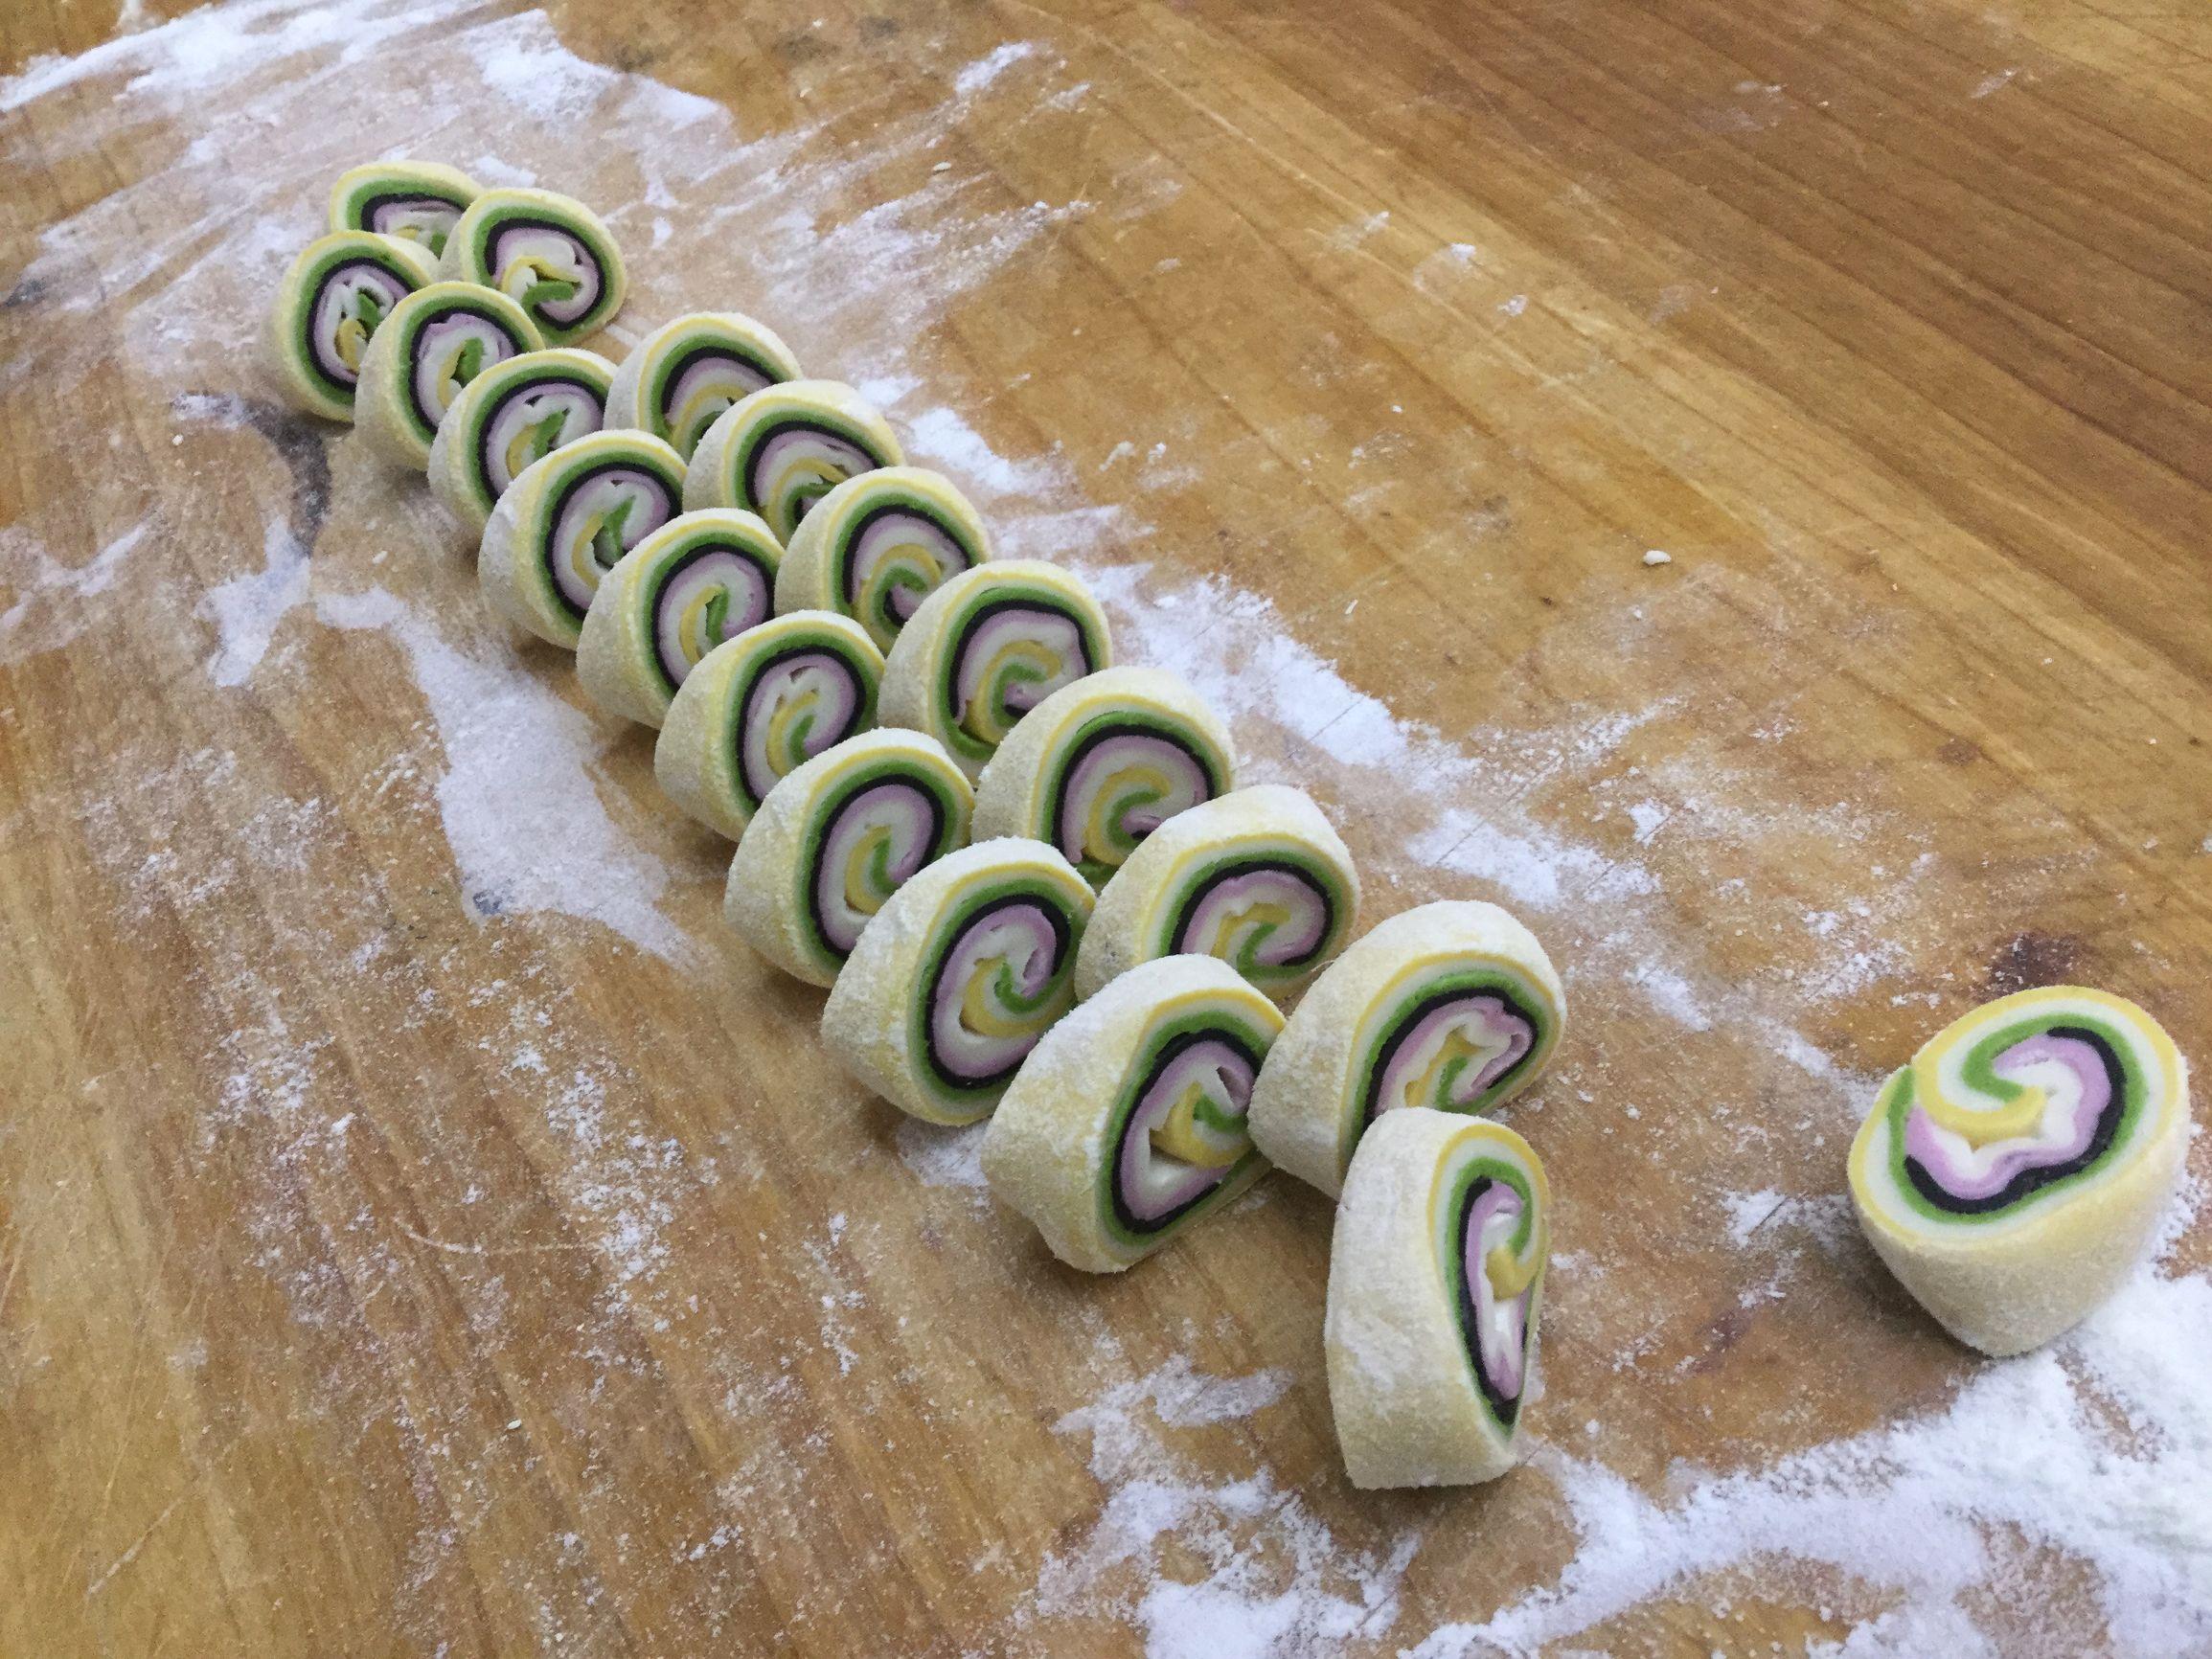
<point>1452,1005</point>
<point>1435,1284</point>
<point>568,520</point>
<point>547,253</point>
<point>683,376</point>
<point>1126,1124</point>
<point>989,646</point>
<point>415,202</point>
<point>513,413</point>
<point>959,973</point>
<point>878,545</point>
<point>699,580</point>
<point>338,293</point>
<point>2012,1172</point>
<point>1101,764</point>
<point>781,451</point>
<point>836,839</point>
<point>432,345</point>
<point>760,706</point>
<point>1257,877</point>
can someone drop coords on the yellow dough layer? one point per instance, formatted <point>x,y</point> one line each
<point>333,299</point>
<point>513,414</point>
<point>434,342</point>
<point>876,546</point>
<point>681,378</point>
<point>781,451</point>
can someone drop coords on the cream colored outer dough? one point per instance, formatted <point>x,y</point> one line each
<point>761,903</point>
<point>805,581</point>
<point>300,386</point>
<point>1009,795</point>
<point>615,652</point>
<point>692,761</point>
<point>1048,1146</point>
<point>1401,1385</point>
<point>1301,1101</point>
<point>709,483</point>
<point>867,1022</point>
<point>1129,917</point>
<point>915,664</point>
<point>380,411</point>
<point>625,399</point>
<point>2009,1286</point>
<point>507,580</point>
<point>450,464</point>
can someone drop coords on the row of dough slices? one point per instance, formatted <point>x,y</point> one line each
<point>1028,876</point>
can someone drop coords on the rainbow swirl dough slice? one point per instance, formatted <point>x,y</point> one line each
<point>1257,877</point>
<point>878,545</point>
<point>987,647</point>
<point>2011,1176</point>
<point>697,580</point>
<point>1126,1124</point>
<point>759,707</point>
<point>781,451</point>
<point>567,522</point>
<point>416,201</point>
<point>434,342</point>
<point>1101,764</point>
<point>959,973</point>
<point>1452,1005</point>
<point>1435,1285</point>
<point>336,297</point>
<point>685,375</point>
<point>512,415</point>
<point>836,839</point>
<point>547,253</point>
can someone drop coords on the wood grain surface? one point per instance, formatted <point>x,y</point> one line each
<point>425,1232</point>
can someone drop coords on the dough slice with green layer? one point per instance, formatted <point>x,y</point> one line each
<point>760,706</point>
<point>836,839</point>
<point>1257,877</point>
<point>878,545</point>
<point>1452,1005</point>
<point>430,346</point>
<point>698,581</point>
<point>684,375</point>
<point>2012,1174</point>
<point>1435,1286</point>
<point>548,253</point>
<point>414,201</point>
<point>959,973</point>
<point>336,297</point>
<point>1100,765</point>
<point>567,522</point>
<point>514,413</point>
<point>987,647</point>
<point>784,448</point>
<point>1126,1123</point>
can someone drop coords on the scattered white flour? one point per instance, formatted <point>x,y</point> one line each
<point>1748,1211</point>
<point>247,608</point>
<point>46,612</point>
<point>979,75</point>
<point>522,812</point>
<point>943,1157</point>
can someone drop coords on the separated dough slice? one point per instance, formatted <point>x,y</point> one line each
<point>336,297</point>
<point>434,342</point>
<point>418,202</point>
<point>1435,1285</point>
<point>548,253</point>
<point>784,448</point>
<point>512,415</point>
<point>2012,1174</point>
<point>878,545</point>
<point>682,378</point>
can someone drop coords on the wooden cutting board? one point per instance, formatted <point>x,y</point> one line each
<point>426,1232</point>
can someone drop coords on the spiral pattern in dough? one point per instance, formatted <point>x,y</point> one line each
<point>784,448</point>
<point>432,345</point>
<point>514,413</point>
<point>337,294</point>
<point>2013,1170</point>
<point>684,375</point>
<point>547,253</point>
<point>963,970</point>
<point>414,201</point>
<point>878,545</point>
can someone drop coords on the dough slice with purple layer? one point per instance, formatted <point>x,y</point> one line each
<point>1435,1287</point>
<point>514,413</point>
<point>430,346</point>
<point>337,294</point>
<point>878,545</point>
<point>682,378</point>
<point>781,451</point>
<point>1257,877</point>
<point>548,253</point>
<point>2012,1174</point>
<point>1452,1005</point>
<point>836,839</point>
<point>418,202</point>
<point>964,968</point>
<point>1126,1123</point>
